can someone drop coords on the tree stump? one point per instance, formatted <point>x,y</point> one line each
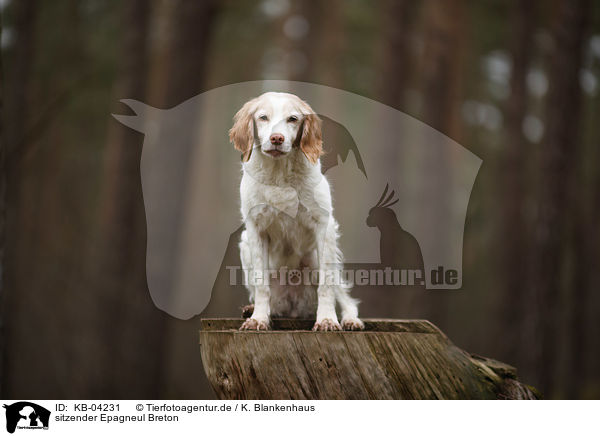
<point>390,359</point>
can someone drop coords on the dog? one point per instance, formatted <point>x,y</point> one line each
<point>287,210</point>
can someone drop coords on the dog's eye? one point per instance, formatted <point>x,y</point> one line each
<point>263,118</point>
<point>292,119</point>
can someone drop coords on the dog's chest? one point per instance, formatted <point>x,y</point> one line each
<point>265,203</point>
<point>278,212</point>
<point>290,239</point>
<point>279,200</point>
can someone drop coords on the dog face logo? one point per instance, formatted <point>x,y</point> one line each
<point>26,415</point>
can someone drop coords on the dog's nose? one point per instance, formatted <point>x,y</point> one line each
<point>277,139</point>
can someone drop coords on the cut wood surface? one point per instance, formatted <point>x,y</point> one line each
<point>390,359</point>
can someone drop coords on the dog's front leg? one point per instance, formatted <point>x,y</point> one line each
<point>326,259</point>
<point>262,293</point>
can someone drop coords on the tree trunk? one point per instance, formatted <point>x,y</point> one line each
<point>119,273</point>
<point>177,73</point>
<point>325,45</point>
<point>179,67</point>
<point>2,209</point>
<point>442,65</point>
<point>584,248</point>
<point>441,72</point>
<point>174,75</point>
<point>513,234</point>
<point>14,124</point>
<point>561,145</point>
<point>391,359</point>
<point>397,17</point>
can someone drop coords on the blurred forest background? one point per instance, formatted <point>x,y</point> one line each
<point>515,82</point>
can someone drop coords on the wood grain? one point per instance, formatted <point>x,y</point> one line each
<point>390,359</point>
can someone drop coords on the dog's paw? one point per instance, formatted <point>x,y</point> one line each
<point>255,324</point>
<point>326,325</point>
<point>353,324</point>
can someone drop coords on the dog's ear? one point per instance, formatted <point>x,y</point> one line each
<point>241,134</point>
<point>311,142</point>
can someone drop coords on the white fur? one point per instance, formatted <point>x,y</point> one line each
<point>287,210</point>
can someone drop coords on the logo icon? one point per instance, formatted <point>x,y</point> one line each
<point>26,415</point>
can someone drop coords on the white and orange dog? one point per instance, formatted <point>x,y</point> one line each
<point>287,211</point>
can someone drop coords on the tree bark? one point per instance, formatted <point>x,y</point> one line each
<point>441,73</point>
<point>2,209</point>
<point>562,144</point>
<point>119,274</point>
<point>182,31</point>
<point>391,359</point>
<point>182,35</point>
<point>174,75</point>
<point>584,248</point>
<point>397,17</point>
<point>442,65</point>
<point>513,234</point>
<point>12,132</point>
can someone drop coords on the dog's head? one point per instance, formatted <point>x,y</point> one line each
<point>276,123</point>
